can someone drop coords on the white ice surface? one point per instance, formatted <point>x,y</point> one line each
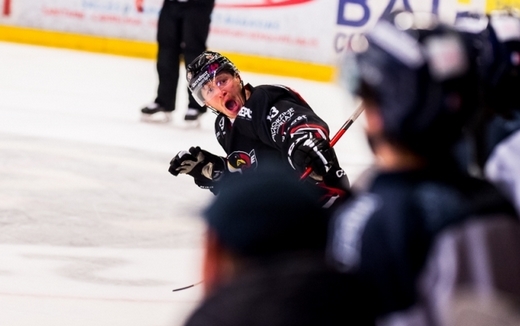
<point>93,229</point>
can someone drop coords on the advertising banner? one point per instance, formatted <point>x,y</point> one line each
<point>312,31</point>
<point>501,4</point>
<point>127,19</point>
<point>293,29</point>
<point>356,16</point>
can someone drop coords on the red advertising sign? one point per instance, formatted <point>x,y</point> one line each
<point>6,8</point>
<point>139,5</point>
<point>262,3</point>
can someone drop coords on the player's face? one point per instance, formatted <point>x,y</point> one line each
<point>224,94</point>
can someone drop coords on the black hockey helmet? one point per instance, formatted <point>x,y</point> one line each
<point>203,69</point>
<point>422,77</point>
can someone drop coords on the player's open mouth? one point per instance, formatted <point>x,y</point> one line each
<point>231,105</point>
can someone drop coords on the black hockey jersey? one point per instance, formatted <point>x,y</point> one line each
<point>262,130</point>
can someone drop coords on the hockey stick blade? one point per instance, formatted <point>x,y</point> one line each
<point>186,287</point>
<point>338,135</point>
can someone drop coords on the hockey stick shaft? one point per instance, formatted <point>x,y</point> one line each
<point>338,135</point>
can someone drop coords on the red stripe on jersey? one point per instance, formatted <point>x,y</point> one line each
<point>318,131</point>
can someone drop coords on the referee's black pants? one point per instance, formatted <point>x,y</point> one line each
<point>182,30</point>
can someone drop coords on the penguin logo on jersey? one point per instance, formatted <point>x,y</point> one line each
<point>239,161</point>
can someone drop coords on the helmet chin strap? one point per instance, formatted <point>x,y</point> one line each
<point>213,110</point>
<point>243,89</point>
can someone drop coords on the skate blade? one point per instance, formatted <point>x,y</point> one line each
<point>159,117</point>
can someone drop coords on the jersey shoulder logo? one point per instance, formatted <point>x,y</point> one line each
<point>220,130</point>
<point>245,113</point>
<point>222,123</point>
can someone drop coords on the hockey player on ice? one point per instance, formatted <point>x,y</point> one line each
<point>257,126</point>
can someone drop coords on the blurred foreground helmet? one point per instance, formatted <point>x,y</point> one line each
<point>421,75</point>
<point>204,69</point>
<point>267,213</point>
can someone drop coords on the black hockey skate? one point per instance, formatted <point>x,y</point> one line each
<point>155,113</point>
<point>192,117</point>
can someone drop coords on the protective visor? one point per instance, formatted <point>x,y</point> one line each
<point>207,74</point>
<point>196,87</point>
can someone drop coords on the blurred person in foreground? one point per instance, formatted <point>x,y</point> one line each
<point>256,125</point>
<point>264,258</point>
<point>417,81</point>
<point>499,150</point>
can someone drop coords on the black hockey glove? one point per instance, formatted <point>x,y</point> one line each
<point>203,166</point>
<point>308,151</point>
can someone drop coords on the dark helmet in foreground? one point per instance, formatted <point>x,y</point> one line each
<point>204,69</point>
<point>422,77</point>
